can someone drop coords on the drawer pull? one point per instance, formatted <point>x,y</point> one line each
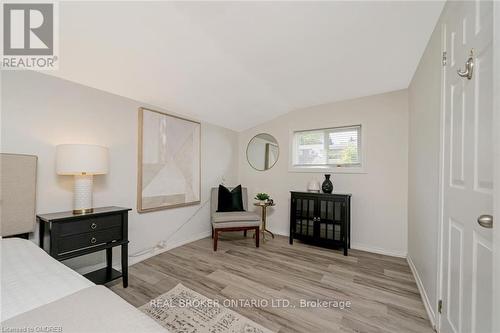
<point>93,226</point>
<point>93,240</point>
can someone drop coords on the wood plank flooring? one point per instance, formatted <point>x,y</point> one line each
<point>381,289</point>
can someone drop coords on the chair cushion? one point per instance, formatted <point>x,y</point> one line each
<point>230,201</point>
<point>221,217</point>
<point>235,224</point>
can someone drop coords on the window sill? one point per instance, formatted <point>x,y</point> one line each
<point>316,169</point>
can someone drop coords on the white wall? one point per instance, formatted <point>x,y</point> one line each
<point>423,183</point>
<point>379,202</point>
<point>41,111</point>
<point>423,174</point>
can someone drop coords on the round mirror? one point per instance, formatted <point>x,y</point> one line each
<point>262,152</point>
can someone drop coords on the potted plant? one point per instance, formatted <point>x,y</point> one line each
<point>262,197</point>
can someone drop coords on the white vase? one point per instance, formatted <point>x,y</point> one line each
<point>313,186</point>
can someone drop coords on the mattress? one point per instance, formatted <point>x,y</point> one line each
<point>30,278</point>
<point>94,309</point>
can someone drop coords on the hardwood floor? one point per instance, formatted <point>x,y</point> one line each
<point>381,289</point>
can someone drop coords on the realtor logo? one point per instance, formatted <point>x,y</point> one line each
<point>29,36</point>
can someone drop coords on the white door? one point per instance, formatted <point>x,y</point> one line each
<point>468,168</point>
<point>496,135</point>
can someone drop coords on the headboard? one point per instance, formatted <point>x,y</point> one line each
<point>17,196</point>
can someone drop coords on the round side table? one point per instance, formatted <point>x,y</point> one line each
<point>263,229</point>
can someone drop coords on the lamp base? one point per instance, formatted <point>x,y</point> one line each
<point>82,188</point>
<point>83,211</point>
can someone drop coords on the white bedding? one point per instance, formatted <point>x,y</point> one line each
<point>91,310</point>
<point>31,278</point>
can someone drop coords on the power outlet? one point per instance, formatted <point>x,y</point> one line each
<point>161,245</point>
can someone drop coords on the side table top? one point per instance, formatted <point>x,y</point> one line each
<point>265,204</point>
<point>68,215</point>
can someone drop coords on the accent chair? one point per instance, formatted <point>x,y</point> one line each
<point>233,221</point>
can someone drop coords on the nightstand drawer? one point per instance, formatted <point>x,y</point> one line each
<point>90,224</point>
<point>77,242</point>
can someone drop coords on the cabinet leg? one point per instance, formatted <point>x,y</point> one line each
<point>41,232</point>
<point>349,236</point>
<point>125,265</point>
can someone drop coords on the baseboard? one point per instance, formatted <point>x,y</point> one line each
<point>280,233</point>
<point>154,251</point>
<point>423,294</point>
<point>361,247</point>
<point>378,250</point>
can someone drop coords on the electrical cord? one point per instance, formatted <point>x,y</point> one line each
<point>163,243</point>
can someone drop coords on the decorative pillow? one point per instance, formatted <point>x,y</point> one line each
<point>230,201</point>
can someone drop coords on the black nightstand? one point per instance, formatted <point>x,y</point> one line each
<point>74,235</point>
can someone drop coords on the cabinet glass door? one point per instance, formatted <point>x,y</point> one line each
<point>304,217</point>
<point>331,214</point>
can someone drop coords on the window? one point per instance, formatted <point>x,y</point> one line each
<point>327,148</point>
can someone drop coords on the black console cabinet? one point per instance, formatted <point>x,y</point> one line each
<point>321,219</point>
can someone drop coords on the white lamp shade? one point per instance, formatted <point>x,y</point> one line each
<point>77,159</point>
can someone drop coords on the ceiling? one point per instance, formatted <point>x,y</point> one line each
<point>238,64</point>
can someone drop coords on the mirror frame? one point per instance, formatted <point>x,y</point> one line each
<point>277,158</point>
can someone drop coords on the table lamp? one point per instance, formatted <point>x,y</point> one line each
<point>83,162</point>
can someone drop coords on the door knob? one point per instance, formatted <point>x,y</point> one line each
<point>485,221</point>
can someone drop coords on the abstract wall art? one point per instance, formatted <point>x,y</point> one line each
<point>169,169</point>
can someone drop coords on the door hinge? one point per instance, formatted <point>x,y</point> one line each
<point>445,58</point>
<point>440,306</point>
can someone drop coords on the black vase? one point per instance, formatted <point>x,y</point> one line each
<point>327,185</point>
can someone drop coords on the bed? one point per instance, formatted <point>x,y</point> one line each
<point>31,278</point>
<point>38,293</point>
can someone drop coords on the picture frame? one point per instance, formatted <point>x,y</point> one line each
<point>169,161</point>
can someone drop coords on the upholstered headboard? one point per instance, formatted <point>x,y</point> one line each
<point>17,196</point>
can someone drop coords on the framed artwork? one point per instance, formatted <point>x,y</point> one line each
<point>169,167</point>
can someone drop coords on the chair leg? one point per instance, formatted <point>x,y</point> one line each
<point>244,233</point>
<point>257,237</point>
<point>212,232</point>
<point>216,238</point>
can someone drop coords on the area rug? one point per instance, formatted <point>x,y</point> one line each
<point>182,310</point>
